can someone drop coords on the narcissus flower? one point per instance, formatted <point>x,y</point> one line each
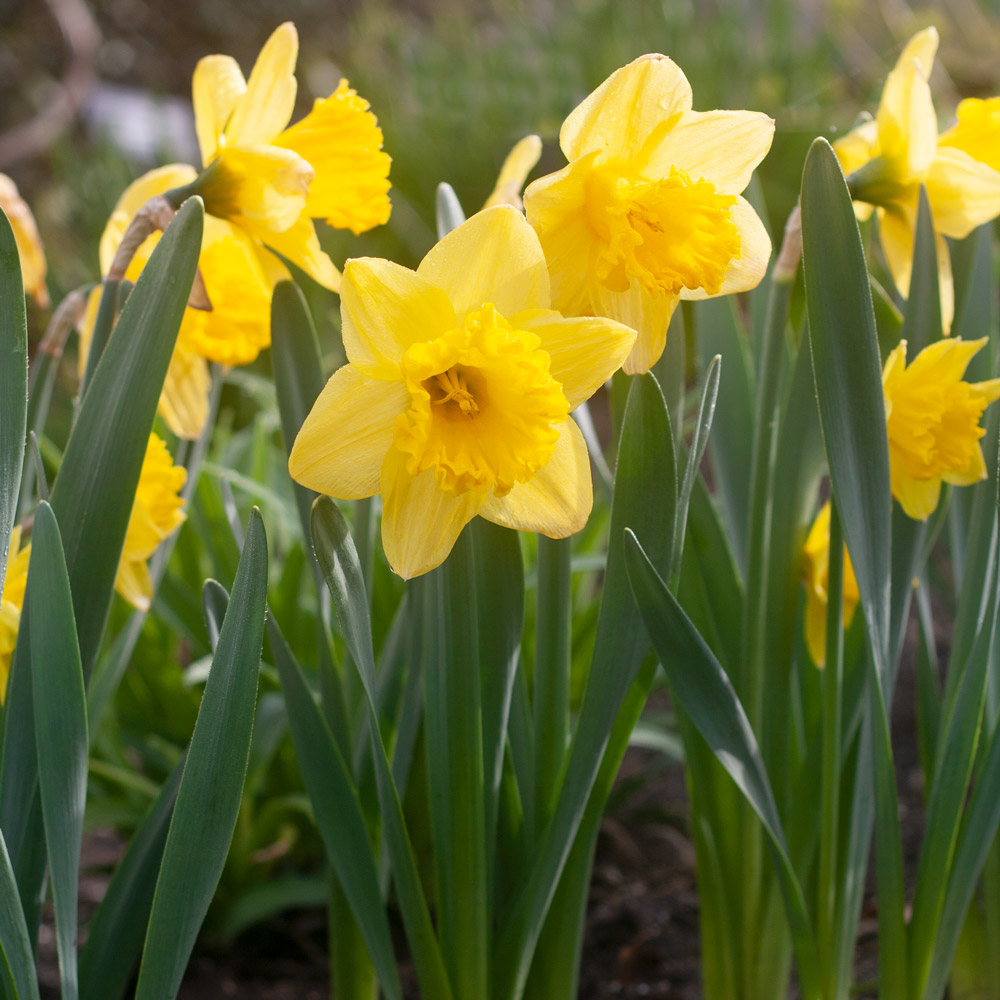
<point>933,422</point>
<point>520,161</point>
<point>272,181</point>
<point>29,243</point>
<point>816,569</point>
<point>457,395</point>
<point>156,513</point>
<point>649,211</point>
<point>977,131</point>
<point>887,160</point>
<point>11,601</point>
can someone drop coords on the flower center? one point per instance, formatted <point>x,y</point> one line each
<point>667,234</point>
<point>484,410</point>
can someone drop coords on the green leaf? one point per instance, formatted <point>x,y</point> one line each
<point>338,559</point>
<point>645,498</point>
<point>13,383</point>
<point>922,315</point>
<point>116,931</point>
<point>17,963</point>
<point>700,685</point>
<point>93,493</point>
<point>60,730</point>
<point>212,785</point>
<point>337,810</point>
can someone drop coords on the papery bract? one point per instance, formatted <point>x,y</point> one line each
<point>29,243</point>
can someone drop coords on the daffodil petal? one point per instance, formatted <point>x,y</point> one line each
<point>963,192</point>
<point>520,161</point>
<point>896,234</point>
<point>857,147</point>
<point>134,583</point>
<point>907,124</point>
<point>385,308</point>
<point>264,109</point>
<point>619,115</point>
<point>133,198</point>
<point>918,497</point>
<point>343,442</point>
<point>216,89</point>
<point>300,244</point>
<point>723,147</point>
<point>747,270</point>
<point>29,244</point>
<point>420,521</point>
<point>556,208</point>
<point>646,313</point>
<point>341,139</point>
<point>263,187</point>
<point>494,256</point>
<point>945,360</point>
<point>973,473</point>
<point>584,351</point>
<point>556,501</point>
<point>184,399</point>
<point>946,283</point>
<point>977,130</point>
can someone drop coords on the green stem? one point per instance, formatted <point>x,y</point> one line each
<point>106,312</point>
<point>352,975</point>
<point>552,667</point>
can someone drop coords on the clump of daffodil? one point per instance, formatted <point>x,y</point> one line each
<point>887,160</point>
<point>648,210</point>
<point>29,243</point>
<point>456,398</point>
<point>933,422</point>
<point>977,131</point>
<point>816,569</point>
<point>157,512</point>
<point>272,180</point>
<point>11,601</point>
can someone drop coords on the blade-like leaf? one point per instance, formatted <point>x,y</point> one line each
<point>60,730</point>
<point>209,795</point>
<point>701,687</point>
<point>337,810</point>
<point>922,315</point>
<point>116,931</point>
<point>449,211</point>
<point>13,383</point>
<point>17,963</point>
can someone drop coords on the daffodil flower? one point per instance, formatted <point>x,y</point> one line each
<point>156,513</point>
<point>816,568</point>
<point>649,211</point>
<point>456,398</point>
<point>11,602</point>
<point>520,161</point>
<point>933,422</point>
<point>29,243</point>
<point>977,131</point>
<point>272,180</point>
<point>887,160</point>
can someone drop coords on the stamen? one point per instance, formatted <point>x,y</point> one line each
<point>456,391</point>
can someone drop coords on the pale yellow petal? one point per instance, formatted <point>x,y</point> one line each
<point>386,308</point>
<point>216,89</point>
<point>184,400</point>
<point>134,583</point>
<point>963,192</point>
<point>556,501</point>
<point>264,110</point>
<point>946,283</point>
<point>907,123</point>
<point>616,119</point>
<point>136,195</point>
<point>857,147</point>
<point>723,147</point>
<point>918,497</point>
<point>815,627</point>
<point>420,521</point>
<point>977,130</point>
<point>300,244</point>
<point>341,140</point>
<point>344,440</point>
<point>646,313</point>
<point>585,352</point>
<point>520,161</point>
<point>896,234</point>
<point>556,208</point>
<point>29,244</point>
<point>748,270</point>
<point>945,360</point>
<point>494,256</point>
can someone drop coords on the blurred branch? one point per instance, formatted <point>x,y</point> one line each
<point>83,38</point>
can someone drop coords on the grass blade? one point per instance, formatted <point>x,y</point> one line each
<point>17,963</point>
<point>212,785</point>
<point>60,731</point>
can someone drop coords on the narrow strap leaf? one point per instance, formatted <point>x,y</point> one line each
<point>17,963</point>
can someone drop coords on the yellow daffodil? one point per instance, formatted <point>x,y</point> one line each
<point>520,161</point>
<point>457,395</point>
<point>11,601</point>
<point>887,160</point>
<point>977,131</point>
<point>272,181</point>
<point>156,513</point>
<point>933,422</point>
<point>816,567</point>
<point>29,243</point>
<point>649,211</point>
